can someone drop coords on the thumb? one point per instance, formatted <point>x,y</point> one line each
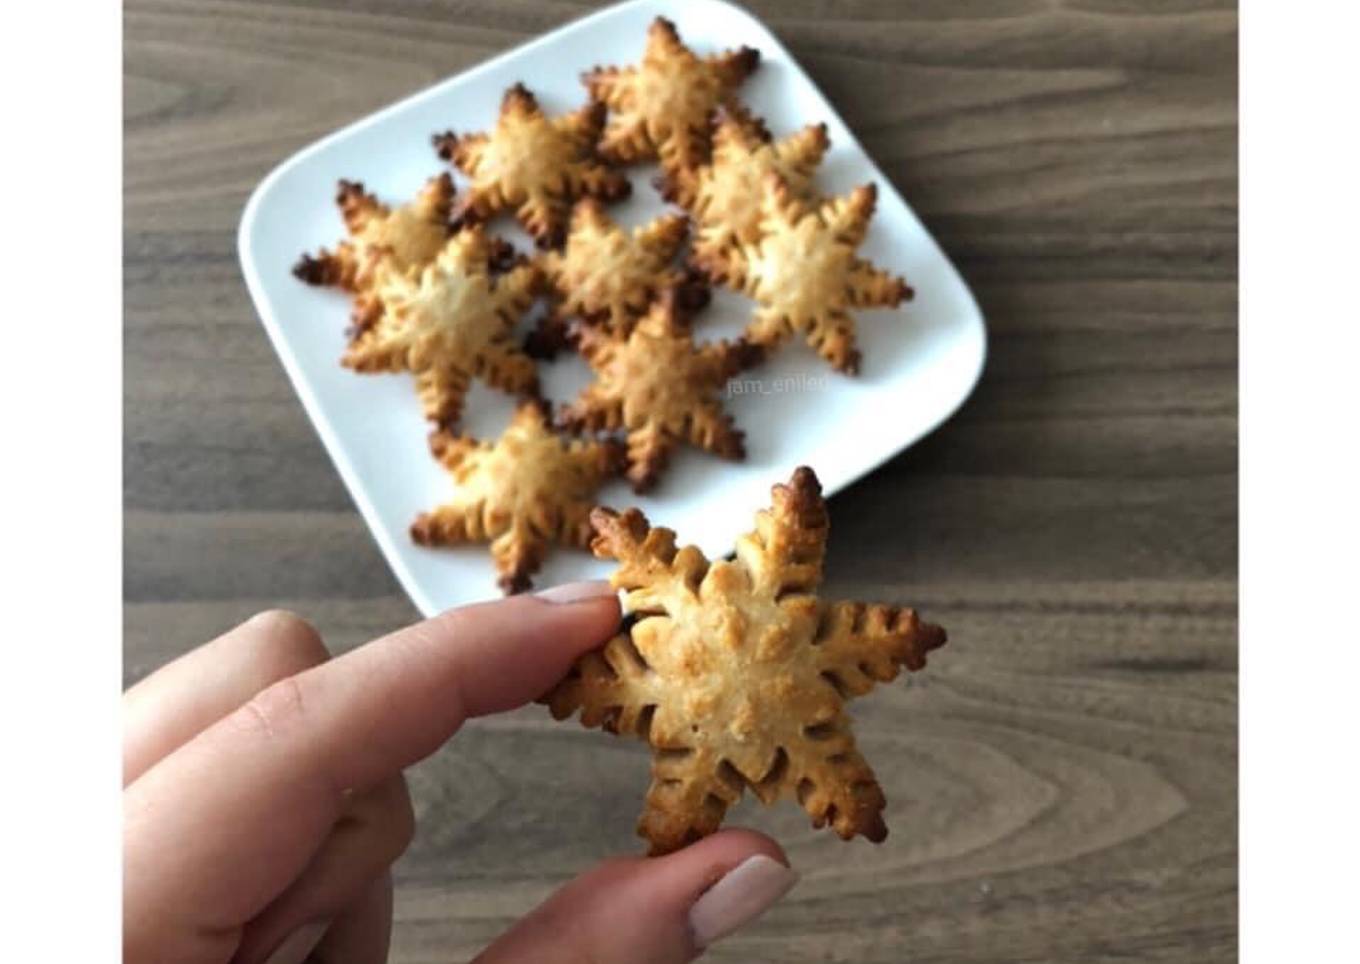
<point>663,910</point>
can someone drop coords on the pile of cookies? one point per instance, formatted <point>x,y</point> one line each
<point>436,295</point>
<point>734,670</point>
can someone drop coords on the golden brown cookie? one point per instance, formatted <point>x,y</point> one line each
<point>381,237</point>
<point>804,273</point>
<point>606,275</point>
<point>659,109</point>
<point>723,196</point>
<point>532,165</point>
<point>529,489</point>
<point>447,323</point>
<point>737,673</point>
<point>659,387</point>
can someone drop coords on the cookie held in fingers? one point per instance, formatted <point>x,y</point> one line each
<point>532,165</point>
<point>737,673</point>
<point>660,388</point>
<point>527,491</point>
<point>448,323</point>
<point>804,272</point>
<point>659,108</point>
<point>606,275</point>
<point>381,237</point>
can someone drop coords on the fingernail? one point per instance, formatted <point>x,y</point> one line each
<point>299,944</point>
<point>576,591</point>
<point>743,894</point>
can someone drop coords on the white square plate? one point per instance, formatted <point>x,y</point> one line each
<point>920,361</point>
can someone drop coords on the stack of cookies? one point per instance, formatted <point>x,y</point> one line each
<point>436,295</point>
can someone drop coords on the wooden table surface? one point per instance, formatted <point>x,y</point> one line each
<point>1062,781</point>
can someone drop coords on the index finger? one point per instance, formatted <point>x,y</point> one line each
<point>218,828</point>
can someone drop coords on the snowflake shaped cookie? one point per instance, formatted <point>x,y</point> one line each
<point>724,195</point>
<point>737,674</point>
<point>532,165</point>
<point>804,273</point>
<point>381,237</point>
<point>529,489</point>
<point>659,387</point>
<point>606,275</point>
<point>447,323</point>
<point>660,108</point>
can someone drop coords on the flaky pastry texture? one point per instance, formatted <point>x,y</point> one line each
<point>659,108</point>
<point>381,238</point>
<point>532,165</point>
<point>659,387</point>
<point>447,323</point>
<point>723,196</point>
<point>606,275</point>
<point>737,674</point>
<point>804,273</point>
<point>526,491</point>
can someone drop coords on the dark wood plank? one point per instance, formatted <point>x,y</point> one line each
<point>1063,779</point>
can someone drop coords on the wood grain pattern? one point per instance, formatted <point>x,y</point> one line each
<point>1062,782</point>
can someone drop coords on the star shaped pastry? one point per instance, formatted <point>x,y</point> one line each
<point>529,489</point>
<point>606,275</point>
<point>804,273</point>
<point>381,237</point>
<point>447,323</point>
<point>533,165</point>
<point>659,387</point>
<point>737,673</point>
<point>724,195</point>
<point>659,109</point>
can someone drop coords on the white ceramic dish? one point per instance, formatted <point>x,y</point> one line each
<point>920,361</point>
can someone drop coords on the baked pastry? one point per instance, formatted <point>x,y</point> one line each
<point>447,323</point>
<point>659,109</point>
<point>381,237</point>
<point>804,273</point>
<point>723,196</point>
<point>607,276</point>
<point>527,490</point>
<point>532,165</point>
<point>659,387</point>
<point>737,673</point>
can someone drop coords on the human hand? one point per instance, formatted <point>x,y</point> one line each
<point>264,802</point>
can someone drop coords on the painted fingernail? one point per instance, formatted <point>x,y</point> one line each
<point>743,894</point>
<point>571,592</point>
<point>299,944</point>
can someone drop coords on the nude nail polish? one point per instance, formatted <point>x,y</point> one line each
<point>576,592</point>
<point>739,897</point>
